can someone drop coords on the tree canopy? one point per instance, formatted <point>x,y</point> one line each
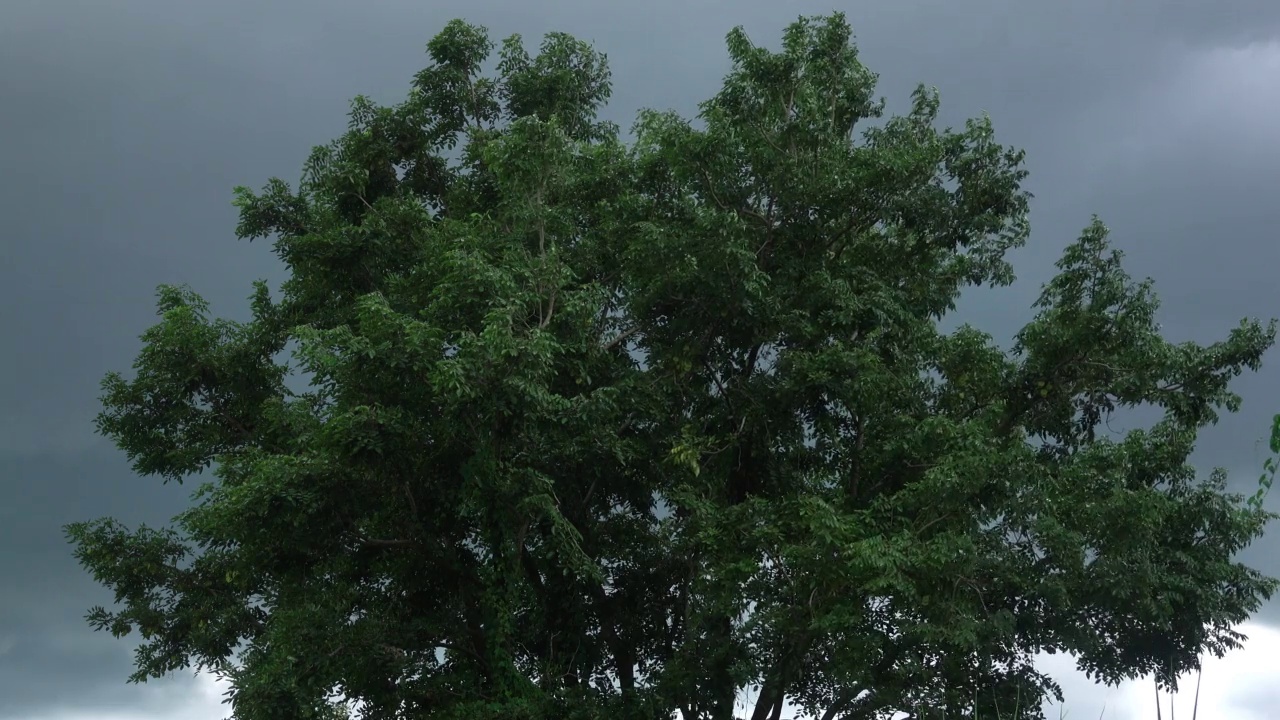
<point>550,423</point>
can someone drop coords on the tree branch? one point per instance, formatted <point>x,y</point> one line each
<point>386,542</point>
<point>622,337</point>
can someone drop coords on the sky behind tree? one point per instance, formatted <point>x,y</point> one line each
<point>124,126</point>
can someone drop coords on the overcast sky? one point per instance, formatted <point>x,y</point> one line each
<point>125,124</point>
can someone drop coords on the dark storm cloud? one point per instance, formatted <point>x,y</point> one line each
<point>49,656</point>
<point>124,126</point>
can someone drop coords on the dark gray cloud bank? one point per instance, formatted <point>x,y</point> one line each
<point>124,126</point>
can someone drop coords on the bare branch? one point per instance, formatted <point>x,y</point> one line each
<point>621,338</point>
<point>387,542</point>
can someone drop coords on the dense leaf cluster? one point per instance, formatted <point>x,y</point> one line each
<point>595,429</point>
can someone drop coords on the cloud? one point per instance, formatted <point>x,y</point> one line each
<point>199,700</point>
<point>1215,101</point>
<point>1244,685</point>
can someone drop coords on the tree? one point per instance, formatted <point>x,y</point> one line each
<point>600,430</point>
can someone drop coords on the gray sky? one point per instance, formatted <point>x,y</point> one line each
<point>124,125</point>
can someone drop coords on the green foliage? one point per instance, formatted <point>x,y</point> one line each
<point>1269,466</point>
<point>596,431</point>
